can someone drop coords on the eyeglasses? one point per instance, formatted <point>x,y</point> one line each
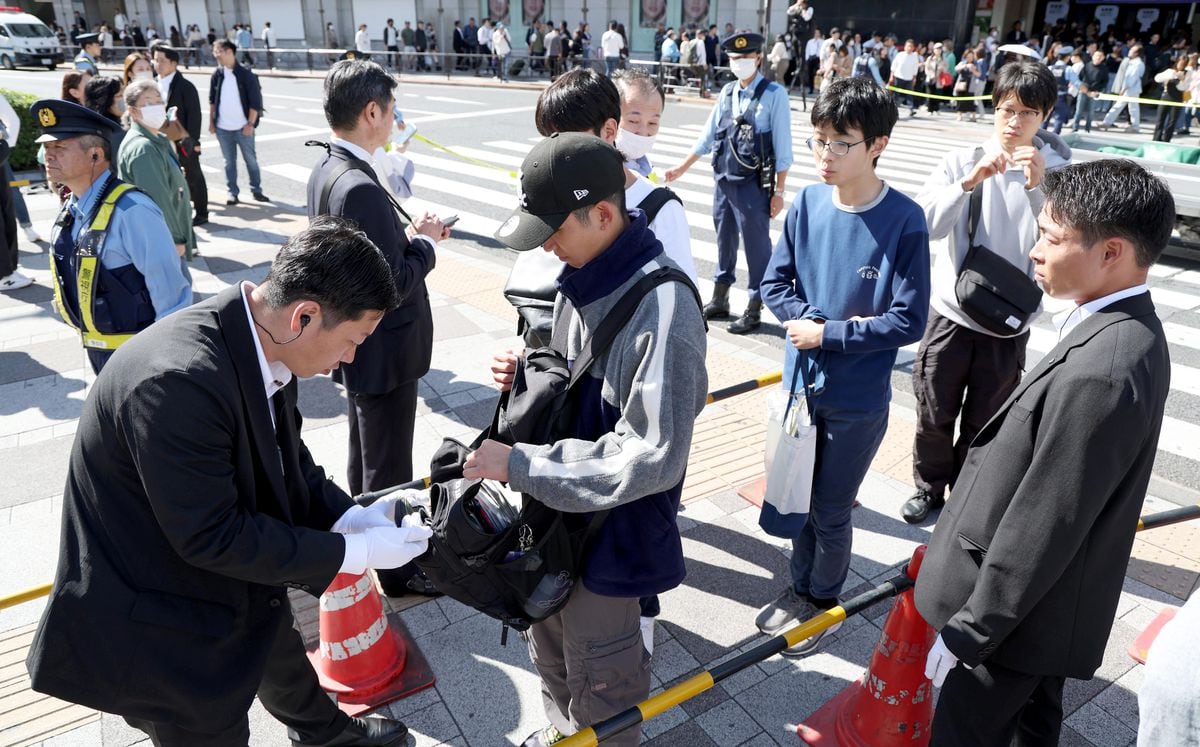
<point>837,147</point>
<point>1025,115</point>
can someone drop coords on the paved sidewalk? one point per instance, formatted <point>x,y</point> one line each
<point>486,694</point>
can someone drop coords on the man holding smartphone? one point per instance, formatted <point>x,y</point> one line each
<point>381,381</point>
<point>183,99</point>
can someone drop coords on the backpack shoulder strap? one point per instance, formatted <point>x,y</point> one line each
<point>618,316</point>
<point>976,206</point>
<point>656,201</point>
<point>349,163</point>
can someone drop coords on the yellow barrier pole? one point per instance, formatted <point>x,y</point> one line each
<point>24,596</point>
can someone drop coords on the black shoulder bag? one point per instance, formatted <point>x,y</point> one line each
<point>996,295</point>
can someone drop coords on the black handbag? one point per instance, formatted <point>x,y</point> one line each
<point>996,295</point>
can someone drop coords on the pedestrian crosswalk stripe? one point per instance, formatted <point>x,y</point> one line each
<point>292,171</point>
<point>1174,299</point>
<point>1180,334</point>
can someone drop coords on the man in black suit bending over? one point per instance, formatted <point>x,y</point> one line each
<point>381,383</point>
<point>1025,567</point>
<point>192,505</point>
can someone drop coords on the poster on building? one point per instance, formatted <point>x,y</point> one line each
<point>1056,11</point>
<point>651,13</point>
<point>695,14</point>
<point>1147,16</point>
<point>532,11</point>
<point>1106,15</point>
<point>498,10</point>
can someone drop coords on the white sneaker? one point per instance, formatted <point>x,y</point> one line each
<point>31,233</point>
<point>647,625</point>
<point>15,281</point>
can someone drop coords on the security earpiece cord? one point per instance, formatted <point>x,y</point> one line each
<point>304,320</point>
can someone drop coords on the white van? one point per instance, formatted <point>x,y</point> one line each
<point>26,40</point>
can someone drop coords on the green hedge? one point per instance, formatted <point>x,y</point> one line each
<point>24,153</point>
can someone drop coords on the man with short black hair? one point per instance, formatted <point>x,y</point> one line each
<point>391,42</point>
<point>193,528</point>
<point>1025,569</point>
<point>234,107</point>
<point>627,452</point>
<point>180,93</point>
<point>381,383</point>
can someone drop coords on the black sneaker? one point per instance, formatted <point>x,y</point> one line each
<point>915,509</point>
<point>199,220</point>
<point>231,201</point>
<point>261,197</point>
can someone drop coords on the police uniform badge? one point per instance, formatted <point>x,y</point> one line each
<point>46,117</point>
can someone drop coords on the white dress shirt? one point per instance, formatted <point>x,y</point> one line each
<point>164,85</point>
<point>1069,320</point>
<point>275,375</point>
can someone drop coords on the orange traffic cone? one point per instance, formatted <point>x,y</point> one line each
<point>892,704</point>
<point>361,658</point>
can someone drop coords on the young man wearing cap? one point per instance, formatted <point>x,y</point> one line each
<point>964,371</point>
<point>629,448</point>
<point>138,271</point>
<point>745,199</point>
<point>89,50</point>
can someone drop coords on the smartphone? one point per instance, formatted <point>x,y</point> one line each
<point>171,113</point>
<point>406,135</point>
<point>450,221</point>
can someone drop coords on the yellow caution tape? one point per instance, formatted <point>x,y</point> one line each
<point>938,96</point>
<point>1152,102</point>
<point>468,159</point>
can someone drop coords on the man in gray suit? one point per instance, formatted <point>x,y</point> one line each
<point>1025,567</point>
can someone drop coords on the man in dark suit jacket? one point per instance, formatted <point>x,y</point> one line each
<point>182,95</point>
<point>1025,567</point>
<point>192,505</point>
<point>381,384</point>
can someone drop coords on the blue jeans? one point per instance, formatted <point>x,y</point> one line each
<point>1084,106</point>
<point>846,444</point>
<point>611,65</point>
<point>230,141</point>
<point>18,199</point>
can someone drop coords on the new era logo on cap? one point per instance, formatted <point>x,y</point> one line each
<point>563,173</point>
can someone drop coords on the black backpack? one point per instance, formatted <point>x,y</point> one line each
<point>524,571</point>
<point>530,286</point>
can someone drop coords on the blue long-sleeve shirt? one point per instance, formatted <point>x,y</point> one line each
<point>771,114</point>
<point>833,263</point>
<point>138,235</point>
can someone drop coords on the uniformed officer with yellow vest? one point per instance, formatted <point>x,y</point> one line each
<point>89,50</point>
<point>114,266</point>
<point>749,133</point>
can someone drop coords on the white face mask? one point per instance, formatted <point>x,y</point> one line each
<point>143,75</point>
<point>154,115</point>
<point>632,145</point>
<point>743,68</point>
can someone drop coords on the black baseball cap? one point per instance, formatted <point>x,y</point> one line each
<point>564,172</point>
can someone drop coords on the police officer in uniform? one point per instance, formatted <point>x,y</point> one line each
<point>89,50</point>
<point>114,266</point>
<point>749,134</point>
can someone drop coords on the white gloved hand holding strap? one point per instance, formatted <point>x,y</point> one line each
<point>384,547</point>
<point>381,513</point>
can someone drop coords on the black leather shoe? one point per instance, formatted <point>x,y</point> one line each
<point>199,220</point>
<point>749,320</point>
<point>915,509</point>
<point>365,732</point>
<point>261,197</point>
<point>231,201</point>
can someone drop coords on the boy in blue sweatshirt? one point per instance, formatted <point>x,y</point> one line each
<point>850,280</point>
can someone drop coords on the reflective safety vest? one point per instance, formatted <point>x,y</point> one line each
<point>106,306</point>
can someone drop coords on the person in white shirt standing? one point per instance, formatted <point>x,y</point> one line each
<point>611,44</point>
<point>904,74</point>
<point>391,42</point>
<point>812,58</point>
<point>234,106</point>
<point>362,42</point>
<point>269,42</point>
<point>1128,83</point>
<point>484,37</point>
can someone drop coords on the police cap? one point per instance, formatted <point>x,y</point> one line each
<point>563,173</point>
<point>746,42</point>
<point>63,120</point>
<point>89,38</point>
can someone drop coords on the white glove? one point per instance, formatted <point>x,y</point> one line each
<point>384,547</point>
<point>939,662</point>
<point>381,513</point>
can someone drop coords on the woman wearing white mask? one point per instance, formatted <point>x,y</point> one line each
<point>146,160</point>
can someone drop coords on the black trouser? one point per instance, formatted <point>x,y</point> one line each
<point>189,159</point>
<point>958,372</point>
<point>393,53</point>
<point>289,691</point>
<point>1164,129</point>
<point>991,706</point>
<point>381,440</point>
<point>9,253</point>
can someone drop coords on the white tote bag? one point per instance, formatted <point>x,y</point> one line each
<point>791,454</point>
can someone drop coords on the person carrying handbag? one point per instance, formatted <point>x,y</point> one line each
<point>968,363</point>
